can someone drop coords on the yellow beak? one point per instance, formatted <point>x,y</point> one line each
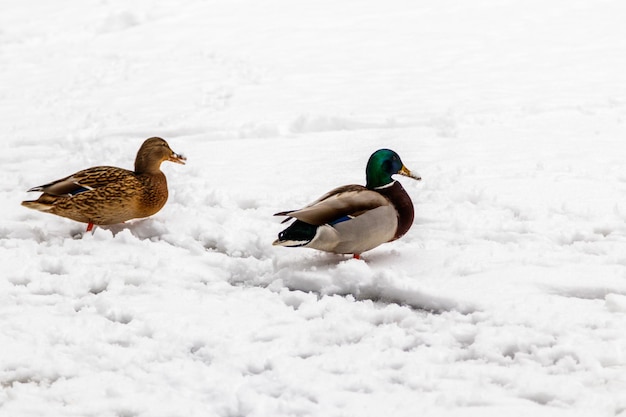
<point>407,173</point>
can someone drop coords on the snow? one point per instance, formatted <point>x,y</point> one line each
<point>506,297</point>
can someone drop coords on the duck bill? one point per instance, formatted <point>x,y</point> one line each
<point>407,173</point>
<point>177,158</point>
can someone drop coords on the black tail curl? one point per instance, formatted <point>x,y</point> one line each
<point>298,231</point>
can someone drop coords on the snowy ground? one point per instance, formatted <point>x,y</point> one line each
<point>507,297</point>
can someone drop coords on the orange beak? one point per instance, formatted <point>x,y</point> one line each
<point>177,158</point>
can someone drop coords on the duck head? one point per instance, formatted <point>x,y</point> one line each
<point>154,151</point>
<point>382,165</point>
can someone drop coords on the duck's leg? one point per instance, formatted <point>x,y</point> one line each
<point>89,227</point>
<point>356,256</point>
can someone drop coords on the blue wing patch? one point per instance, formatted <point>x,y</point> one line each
<point>339,220</point>
<point>80,189</point>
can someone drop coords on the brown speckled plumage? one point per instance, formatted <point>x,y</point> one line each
<point>109,195</point>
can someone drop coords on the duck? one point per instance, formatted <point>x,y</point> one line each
<point>353,219</point>
<point>105,195</point>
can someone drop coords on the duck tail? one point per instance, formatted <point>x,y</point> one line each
<point>298,234</point>
<point>37,205</point>
<point>285,213</point>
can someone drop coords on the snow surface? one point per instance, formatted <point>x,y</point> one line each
<point>507,297</point>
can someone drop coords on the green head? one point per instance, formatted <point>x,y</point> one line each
<point>382,165</point>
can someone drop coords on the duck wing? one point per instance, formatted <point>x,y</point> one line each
<point>345,201</point>
<point>85,180</point>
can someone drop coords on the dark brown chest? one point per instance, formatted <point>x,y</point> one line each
<point>403,204</point>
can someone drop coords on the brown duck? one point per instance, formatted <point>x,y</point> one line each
<point>108,195</point>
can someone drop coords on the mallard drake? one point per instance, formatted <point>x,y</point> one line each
<point>353,219</point>
<point>108,195</point>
